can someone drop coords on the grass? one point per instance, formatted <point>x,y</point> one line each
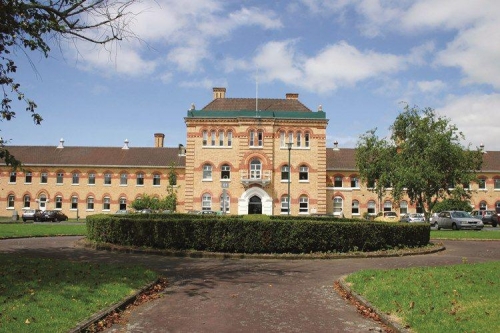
<point>46,295</point>
<point>464,234</point>
<point>459,298</point>
<point>10,230</point>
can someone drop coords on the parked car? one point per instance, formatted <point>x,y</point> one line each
<point>53,215</point>
<point>31,214</point>
<point>487,216</point>
<point>410,218</point>
<point>207,212</point>
<point>387,217</point>
<point>122,211</point>
<point>456,220</point>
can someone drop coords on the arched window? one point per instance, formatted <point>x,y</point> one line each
<point>337,206</point>
<point>90,203</point>
<point>27,201</point>
<point>483,205</point>
<point>225,172</point>
<point>229,139</point>
<point>497,183</point>
<point>123,203</point>
<point>303,204</point>
<point>140,179</point>
<point>299,139</point>
<point>123,178</point>
<point>106,203</point>
<point>355,207</point>
<point>59,201</point>
<point>255,169</point>
<point>284,204</point>
<point>156,179</point>
<point>403,208</point>
<point>206,202</point>
<point>224,203</point>
<point>207,172</point>
<point>285,172</point>
<point>387,206</point>
<point>10,201</point>
<point>74,202</point>
<point>482,183</point>
<point>371,207</point>
<point>76,178</point>
<point>28,177</point>
<point>337,181</point>
<point>303,173</point>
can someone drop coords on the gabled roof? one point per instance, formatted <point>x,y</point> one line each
<point>345,159</point>
<point>262,104</point>
<point>97,156</point>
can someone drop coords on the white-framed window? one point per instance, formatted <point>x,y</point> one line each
<point>106,203</point>
<point>229,139</point>
<point>156,179</point>
<point>10,201</point>
<point>225,172</point>
<point>107,179</point>
<point>90,203</point>
<point>387,206</point>
<point>284,204</point>
<point>290,137</point>
<point>483,205</point>
<point>206,202</point>
<point>482,183</point>
<point>207,172</point>
<point>27,201</point>
<point>303,173</point>
<point>256,138</point>
<point>205,138</point>
<point>497,206</point>
<point>74,202</point>
<point>212,138</point>
<point>123,178</point>
<point>59,202</point>
<point>282,139</point>
<point>91,179</point>
<point>338,203</point>
<point>497,184</point>
<point>28,177</point>
<point>255,169</point>
<point>306,139</point>
<point>44,177</point>
<point>355,182</point>
<point>403,207</point>
<point>75,180</point>
<point>224,202</point>
<point>123,203</point>
<point>260,138</point>
<point>371,207</point>
<point>303,204</point>
<point>13,177</point>
<point>59,178</point>
<point>140,179</point>
<point>355,207</point>
<point>285,172</point>
<point>337,181</point>
<point>221,138</point>
<point>299,139</point>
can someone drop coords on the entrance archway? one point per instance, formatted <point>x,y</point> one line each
<point>255,205</point>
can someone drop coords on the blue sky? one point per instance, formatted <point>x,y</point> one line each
<point>358,59</point>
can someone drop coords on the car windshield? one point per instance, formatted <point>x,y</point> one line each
<point>389,214</point>
<point>460,214</point>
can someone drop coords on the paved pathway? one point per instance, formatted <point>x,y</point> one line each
<point>250,295</point>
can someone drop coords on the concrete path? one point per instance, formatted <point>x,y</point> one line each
<point>250,295</point>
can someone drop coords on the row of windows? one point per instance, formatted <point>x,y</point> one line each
<point>255,138</point>
<point>42,201</point>
<point>91,178</point>
<point>255,171</point>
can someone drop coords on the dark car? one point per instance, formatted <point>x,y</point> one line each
<point>487,216</point>
<point>53,215</point>
<point>31,214</point>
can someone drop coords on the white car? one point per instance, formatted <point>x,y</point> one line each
<point>457,220</point>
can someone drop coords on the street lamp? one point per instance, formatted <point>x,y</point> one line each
<point>289,146</point>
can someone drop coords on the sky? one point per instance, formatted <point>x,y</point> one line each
<point>361,60</point>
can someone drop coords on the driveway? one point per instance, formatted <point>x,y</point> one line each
<point>250,295</point>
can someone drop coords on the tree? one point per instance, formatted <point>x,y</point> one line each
<point>423,159</point>
<point>28,25</point>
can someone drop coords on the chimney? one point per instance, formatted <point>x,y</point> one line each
<point>125,144</point>
<point>292,96</point>
<point>336,145</point>
<point>182,150</point>
<point>219,93</point>
<point>61,143</point>
<point>159,138</point>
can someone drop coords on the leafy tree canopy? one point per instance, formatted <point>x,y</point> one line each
<point>28,25</point>
<point>423,159</point>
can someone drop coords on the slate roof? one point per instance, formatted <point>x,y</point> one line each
<point>264,104</point>
<point>97,156</point>
<point>345,159</point>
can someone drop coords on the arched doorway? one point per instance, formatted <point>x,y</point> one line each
<point>255,205</point>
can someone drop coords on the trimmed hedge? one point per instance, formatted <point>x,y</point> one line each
<point>236,235</point>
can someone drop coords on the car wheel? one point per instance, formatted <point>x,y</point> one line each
<point>35,219</point>
<point>54,219</point>
<point>494,224</point>
<point>454,226</point>
<point>435,225</point>
<point>24,220</point>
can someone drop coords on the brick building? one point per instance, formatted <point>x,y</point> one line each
<point>242,155</point>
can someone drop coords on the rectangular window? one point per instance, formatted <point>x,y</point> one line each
<point>355,208</point>
<point>371,207</point>
<point>229,139</point>
<point>156,180</point>
<point>140,179</point>
<point>123,179</point>
<point>58,202</point>
<point>221,138</point>
<point>28,178</point>
<point>206,202</point>
<point>355,182</point>
<point>74,202</point>
<point>27,201</point>
<point>303,173</point>
<point>205,138</point>
<point>43,178</point>
<point>106,203</point>
<point>497,184</point>
<point>282,140</point>
<point>59,178</point>
<point>12,178</point>
<point>212,138</point>
<point>10,201</point>
<point>91,178</point>
<point>337,181</point>
<point>482,184</point>
<point>260,138</point>
<point>285,172</point>
<point>284,204</point>
<point>306,139</point>
<point>252,138</point>
<point>76,178</point>
<point>303,205</point>
<point>207,172</point>
<point>90,203</point>
<point>290,137</point>
<point>225,172</point>
<point>299,139</point>
<point>107,179</point>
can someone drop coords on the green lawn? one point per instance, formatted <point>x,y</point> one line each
<point>465,234</point>
<point>460,298</point>
<point>9,230</point>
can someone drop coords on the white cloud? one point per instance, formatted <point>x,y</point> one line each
<point>276,61</point>
<point>477,117</point>
<point>433,87</point>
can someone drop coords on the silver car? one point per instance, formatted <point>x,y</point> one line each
<point>456,220</point>
<point>410,218</point>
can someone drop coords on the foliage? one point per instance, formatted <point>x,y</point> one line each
<point>458,298</point>
<point>236,235</point>
<point>172,176</point>
<point>423,159</point>
<point>145,201</point>
<point>30,25</point>
<point>46,295</point>
<point>452,204</point>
